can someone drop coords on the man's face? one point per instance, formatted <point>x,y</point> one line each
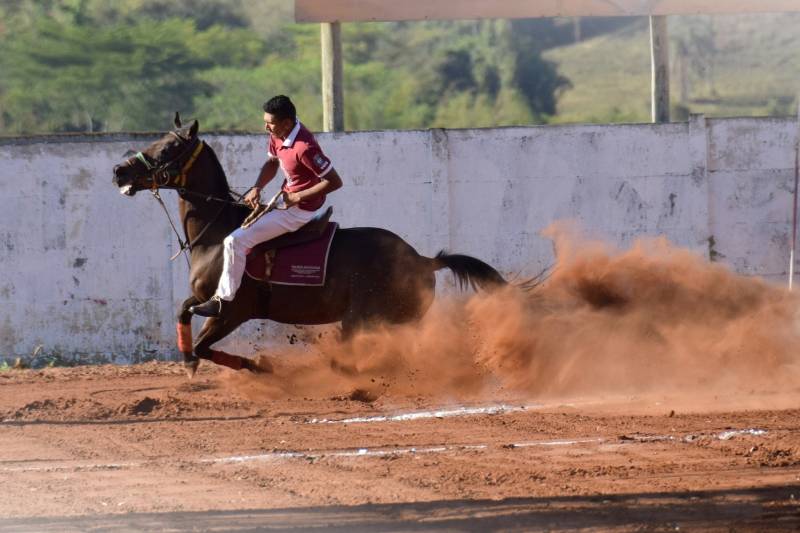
<point>279,127</point>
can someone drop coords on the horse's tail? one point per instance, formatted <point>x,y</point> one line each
<point>469,271</point>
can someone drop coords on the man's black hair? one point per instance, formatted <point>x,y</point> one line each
<point>280,107</point>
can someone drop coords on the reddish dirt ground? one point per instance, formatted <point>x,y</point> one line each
<point>138,447</point>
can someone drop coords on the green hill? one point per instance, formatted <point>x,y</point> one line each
<point>743,65</point>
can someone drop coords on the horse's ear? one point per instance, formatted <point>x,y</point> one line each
<point>177,120</point>
<point>193,129</point>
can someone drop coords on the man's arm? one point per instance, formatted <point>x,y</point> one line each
<point>327,184</point>
<point>266,175</point>
<point>268,172</point>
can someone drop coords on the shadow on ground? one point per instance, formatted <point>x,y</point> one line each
<point>768,508</point>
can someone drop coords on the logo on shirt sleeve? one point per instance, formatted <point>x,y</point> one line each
<point>320,161</point>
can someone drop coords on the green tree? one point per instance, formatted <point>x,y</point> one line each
<point>78,65</point>
<point>72,77</point>
<point>537,78</point>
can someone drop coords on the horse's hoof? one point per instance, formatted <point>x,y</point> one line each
<point>191,367</point>
<point>363,395</point>
<point>259,366</point>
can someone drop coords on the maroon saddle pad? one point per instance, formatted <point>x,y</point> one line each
<point>298,264</point>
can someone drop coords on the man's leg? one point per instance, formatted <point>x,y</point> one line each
<point>235,248</point>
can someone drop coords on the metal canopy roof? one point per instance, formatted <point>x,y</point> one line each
<point>396,10</point>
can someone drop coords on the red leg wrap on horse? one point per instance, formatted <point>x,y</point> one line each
<point>185,337</point>
<point>226,359</point>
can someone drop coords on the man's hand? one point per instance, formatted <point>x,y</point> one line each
<point>291,199</point>
<point>253,197</point>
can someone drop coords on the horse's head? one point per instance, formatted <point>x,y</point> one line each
<point>163,164</point>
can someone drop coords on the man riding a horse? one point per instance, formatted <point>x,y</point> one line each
<point>310,176</point>
<point>373,276</point>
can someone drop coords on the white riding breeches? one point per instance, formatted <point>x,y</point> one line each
<point>241,241</point>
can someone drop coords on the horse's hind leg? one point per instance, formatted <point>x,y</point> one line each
<point>364,312</point>
<point>216,329</point>
<point>184,328</point>
<point>360,316</point>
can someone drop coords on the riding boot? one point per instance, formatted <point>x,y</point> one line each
<point>212,308</point>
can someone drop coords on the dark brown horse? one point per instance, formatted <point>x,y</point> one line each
<point>373,275</point>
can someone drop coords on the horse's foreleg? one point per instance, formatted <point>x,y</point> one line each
<point>184,330</point>
<point>215,329</point>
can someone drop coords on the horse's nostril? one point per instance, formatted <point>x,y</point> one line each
<point>119,174</point>
<point>121,170</point>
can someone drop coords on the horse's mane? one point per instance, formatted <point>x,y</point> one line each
<point>221,171</point>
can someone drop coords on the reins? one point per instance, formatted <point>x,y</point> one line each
<point>186,245</point>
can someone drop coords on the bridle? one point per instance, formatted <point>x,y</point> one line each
<point>161,177</point>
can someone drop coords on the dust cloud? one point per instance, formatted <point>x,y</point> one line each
<point>650,319</point>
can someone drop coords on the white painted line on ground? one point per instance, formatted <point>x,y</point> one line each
<point>420,415</point>
<point>380,452</point>
<point>70,467</point>
<point>359,452</point>
<point>60,466</point>
<point>453,412</point>
<point>726,435</point>
<point>556,442</point>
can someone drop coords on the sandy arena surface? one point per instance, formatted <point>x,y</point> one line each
<point>142,447</point>
<point>644,389</point>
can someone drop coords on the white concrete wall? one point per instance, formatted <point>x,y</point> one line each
<point>84,272</point>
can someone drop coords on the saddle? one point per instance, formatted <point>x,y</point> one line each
<point>303,254</point>
<point>312,229</point>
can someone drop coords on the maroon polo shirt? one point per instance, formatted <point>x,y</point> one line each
<point>303,163</point>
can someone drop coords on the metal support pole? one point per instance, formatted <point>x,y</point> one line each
<point>794,197</point>
<point>659,54</point>
<point>332,93</point>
